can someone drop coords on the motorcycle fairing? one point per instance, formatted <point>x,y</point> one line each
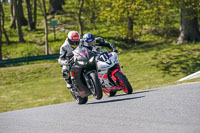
<point>80,82</point>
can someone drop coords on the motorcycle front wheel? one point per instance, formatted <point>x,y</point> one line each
<point>96,86</point>
<point>124,83</point>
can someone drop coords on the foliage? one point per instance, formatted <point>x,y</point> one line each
<point>104,18</point>
<point>192,5</point>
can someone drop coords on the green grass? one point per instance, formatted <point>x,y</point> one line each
<point>147,65</point>
<point>32,85</point>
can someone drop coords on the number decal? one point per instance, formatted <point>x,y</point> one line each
<point>103,57</point>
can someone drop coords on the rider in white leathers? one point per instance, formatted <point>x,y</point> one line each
<point>65,58</point>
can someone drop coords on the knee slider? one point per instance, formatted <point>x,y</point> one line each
<point>65,74</point>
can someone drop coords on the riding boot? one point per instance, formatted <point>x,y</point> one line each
<point>68,83</point>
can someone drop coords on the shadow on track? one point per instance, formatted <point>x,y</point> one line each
<point>124,99</point>
<point>138,92</point>
<point>117,100</point>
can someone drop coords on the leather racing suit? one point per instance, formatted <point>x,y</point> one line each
<point>65,57</point>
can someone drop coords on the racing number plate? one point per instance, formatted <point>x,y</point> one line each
<point>103,57</point>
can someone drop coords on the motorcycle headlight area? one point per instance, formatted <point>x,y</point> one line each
<point>91,59</point>
<point>82,62</point>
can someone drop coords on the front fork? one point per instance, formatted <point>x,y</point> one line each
<point>113,74</point>
<point>88,82</point>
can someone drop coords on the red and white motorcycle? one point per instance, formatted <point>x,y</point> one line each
<point>111,75</point>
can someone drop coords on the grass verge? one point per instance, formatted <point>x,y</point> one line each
<point>147,65</point>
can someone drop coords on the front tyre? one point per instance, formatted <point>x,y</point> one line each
<point>124,83</point>
<point>96,86</point>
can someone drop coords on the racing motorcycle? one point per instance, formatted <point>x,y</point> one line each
<point>111,75</point>
<point>84,76</point>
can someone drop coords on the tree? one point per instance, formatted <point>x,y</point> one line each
<point>21,13</point>
<point>0,37</point>
<point>46,27</point>
<point>81,3</point>
<point>2,15</point>
<point>20,10</point>
<point>29,11</point>
<point>91,10</point>
<point>123,13</point>
<point>4,1</point>
<point>55,6</point>
<point>18,22</point>
<point>189,28</point>
<point>80,13</point>
<point>35,13</point>
<point>13,15</point>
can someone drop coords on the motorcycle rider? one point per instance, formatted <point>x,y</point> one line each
<point>91,42</point>
<point>66,54</point>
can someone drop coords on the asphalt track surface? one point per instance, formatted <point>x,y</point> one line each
<point>172,109</point>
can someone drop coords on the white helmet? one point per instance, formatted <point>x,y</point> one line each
<point>73,38</point>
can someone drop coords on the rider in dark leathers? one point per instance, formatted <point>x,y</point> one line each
<point>92,43</point>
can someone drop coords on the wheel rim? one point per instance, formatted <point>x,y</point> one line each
<point>93,89</point>
<point>107,92</point>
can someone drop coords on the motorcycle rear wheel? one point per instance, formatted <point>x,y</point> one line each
<point>112,93</point>
<point>79,99</point>
<point>96,86</point>
<point>124,83</point>
<point>109,93</point>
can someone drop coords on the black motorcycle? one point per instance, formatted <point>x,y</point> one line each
<point>85,79</point>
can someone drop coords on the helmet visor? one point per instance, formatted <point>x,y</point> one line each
<point>74,44</point>
<point>92,43</point>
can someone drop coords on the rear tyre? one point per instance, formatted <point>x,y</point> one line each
<point>109,93</point>
<point>79,99</point>
<point>96,86</point>
<point>124,83</point>
<point>112,93</point>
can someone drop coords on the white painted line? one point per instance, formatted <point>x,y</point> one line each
<point>192,76</point>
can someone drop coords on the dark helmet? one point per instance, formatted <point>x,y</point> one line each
<point>89,39</point>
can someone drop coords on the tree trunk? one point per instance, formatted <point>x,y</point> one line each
<point>55,6</point>
<point>13,16</point>
<point>93,17</point>
<point>0,43</point>
<point>130,30</point>
<point>79,17</point>
<point>35,14</point>
<point>0,37</point>
<point>29,11</point>
<point>21,13</point>
<point>189,28</point>
<point>46,28</point>
<point>18,22</point>
<point>2,23</point>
